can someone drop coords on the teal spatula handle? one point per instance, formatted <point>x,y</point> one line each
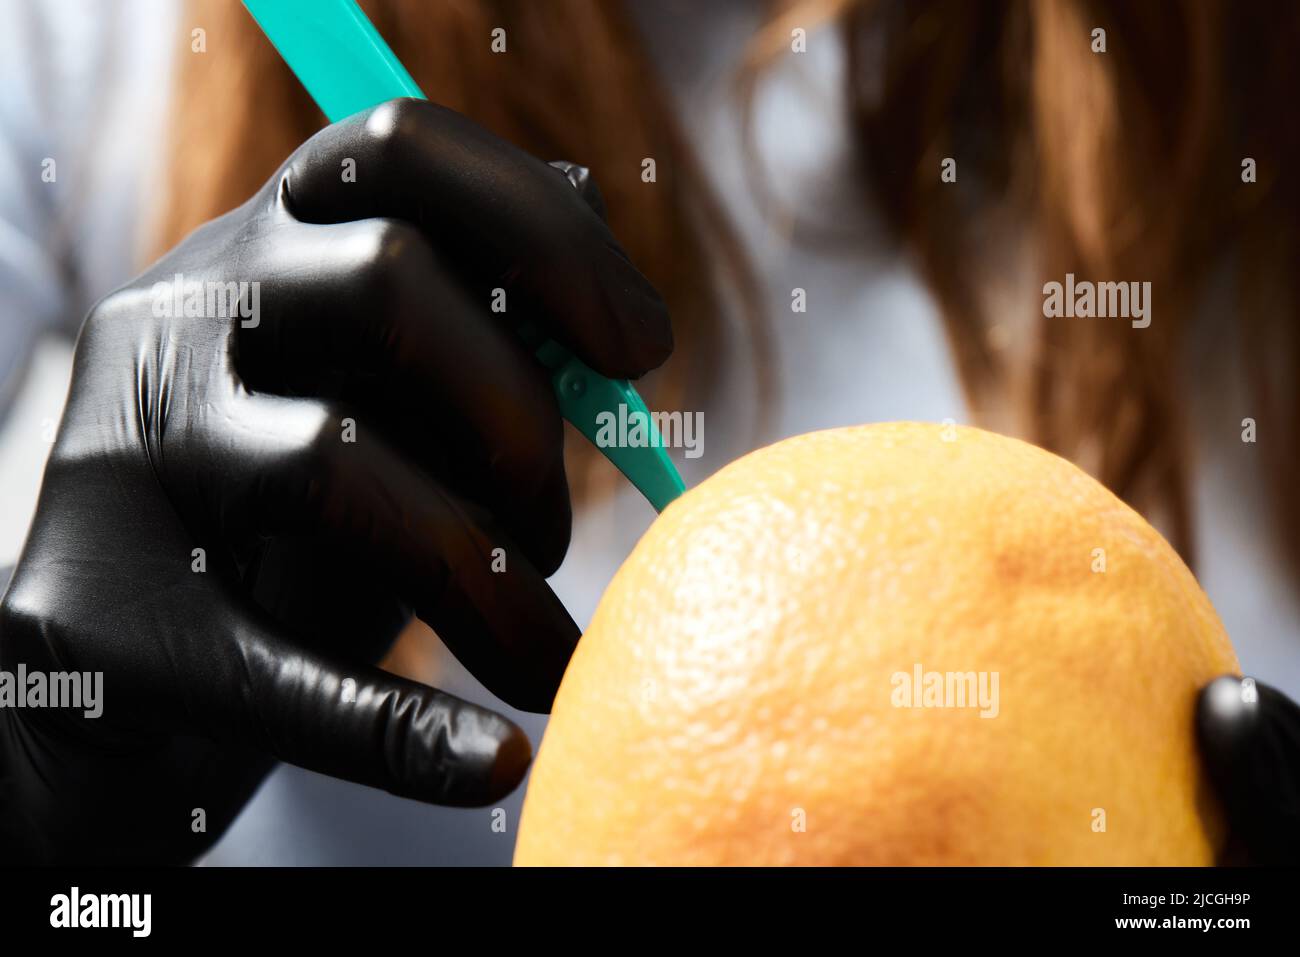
<point>343,62</point>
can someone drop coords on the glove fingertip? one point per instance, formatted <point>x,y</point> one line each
<point>514,755</point>
<point>482,760</point>
<point>580,179</point>
<point>1225,717</point>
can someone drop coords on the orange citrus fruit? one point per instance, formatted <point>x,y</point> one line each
<point>893,644</point>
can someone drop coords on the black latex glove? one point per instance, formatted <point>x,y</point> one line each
<point>211,433</point>
<point>1249,735</point>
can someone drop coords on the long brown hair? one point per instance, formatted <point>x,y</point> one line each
<point>1123,165</point>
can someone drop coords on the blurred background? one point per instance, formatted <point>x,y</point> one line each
<point>821,269</point>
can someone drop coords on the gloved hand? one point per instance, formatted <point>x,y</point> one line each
<point>357,440</point>
<point>1249,736</point>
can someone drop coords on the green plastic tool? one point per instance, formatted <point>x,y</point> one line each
<point>346,66</point>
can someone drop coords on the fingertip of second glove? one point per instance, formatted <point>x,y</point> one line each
<point>1249,738</point>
